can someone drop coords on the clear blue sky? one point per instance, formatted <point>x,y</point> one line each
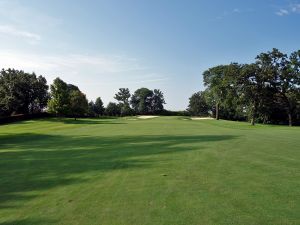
<point>104,45</point>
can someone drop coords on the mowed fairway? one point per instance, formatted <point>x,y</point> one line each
<point>166,170</point>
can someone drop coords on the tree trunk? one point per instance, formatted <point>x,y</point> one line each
<point>288,108</point>
<point>253,115</point>
<point>252,121</point>
<point>290,119</point>
<point>217,111</point>
<point>265,119</point>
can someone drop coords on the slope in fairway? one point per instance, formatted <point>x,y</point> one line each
<point>163,170</point>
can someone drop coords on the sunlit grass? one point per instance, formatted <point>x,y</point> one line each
<point>163,170</point>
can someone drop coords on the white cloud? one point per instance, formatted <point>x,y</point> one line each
<point>228,13</point>
<point>95,75</point>
<point>68,63</point>
<point>12,31</point>
<point>15,12</point>
<point>295,8</point>
<point>236,10</point>
<point>290,9</point>
<point>282,12</point>
<point>24,22</point>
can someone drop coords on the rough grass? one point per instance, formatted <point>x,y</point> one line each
<point>165,170</point>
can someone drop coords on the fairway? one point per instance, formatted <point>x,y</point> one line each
<point>165,170</point>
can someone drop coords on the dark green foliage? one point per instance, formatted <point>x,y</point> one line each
<point>78,104</point>
<point>60,98</point>
<point>22,93</point>
<point>98,107</point>
<point>67,100</point>
<point>265,91</point>
<point>158,101</point>
<point>113,109</point>
<point>198,105</point>
<point>91,109</point>
<point>145,101</point>
<point>126,110</point>
<point>141,101</point>
<point>123,98</point>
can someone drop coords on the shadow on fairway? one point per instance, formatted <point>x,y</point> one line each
<point>104,120</point>
<point>30,162</point>
<point>88,121</point>
<point>28,222</point>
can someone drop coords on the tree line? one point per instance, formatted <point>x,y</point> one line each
<point>26,93</point>
<point>266,91</point>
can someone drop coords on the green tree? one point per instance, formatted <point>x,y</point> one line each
<point>158,101</point>
<point>126,110</point>
<point>198,105</point>
<point>91,109</point>
<point>78,104</point>
<point>123,98</point>
<point>221,81</point>
<point>113,109</point>
<point>213,79</point>
<point>22,92</point>
<point>283,75</point>
<point>253,86</point>
<point>98,107</point>
<point>141,101</point>
<point>40,95</point>
<point>59,103</point>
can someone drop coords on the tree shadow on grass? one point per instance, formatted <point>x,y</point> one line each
<point>28,222</point>
<point>86,121</point>
<point>32,162</point>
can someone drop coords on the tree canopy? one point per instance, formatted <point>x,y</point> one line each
<point>67,100</point>
<point>145,101</point>
<point>198,105</point>
<point>113,109</point>
<point>264,91</point>
<point>22,93</point>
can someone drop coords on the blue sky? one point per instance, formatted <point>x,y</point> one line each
<point>167,44</point>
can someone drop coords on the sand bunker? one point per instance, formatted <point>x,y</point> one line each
<point>146,117</point>
<point>202,118</point>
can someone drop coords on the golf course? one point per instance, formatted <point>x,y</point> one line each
<point>155,170</point>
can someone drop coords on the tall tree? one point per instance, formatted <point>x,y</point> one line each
<point>221,82</point>
<point>91,109</point>
<point>284,76</point>
<point>22,92</point>
<point>123,95</point>
<point>113,109</point>
<point>198,105</point>
<point>123,98</point>
<point>98,107</point>
<point>158,101</point>
<point>213,79</point>
<point>253,86</point>
<point>78,104</point>
<point>59,103</point>
<point>141,101</point>
<point>40,95</point>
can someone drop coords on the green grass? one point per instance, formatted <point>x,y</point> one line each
<point>158,171</point>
